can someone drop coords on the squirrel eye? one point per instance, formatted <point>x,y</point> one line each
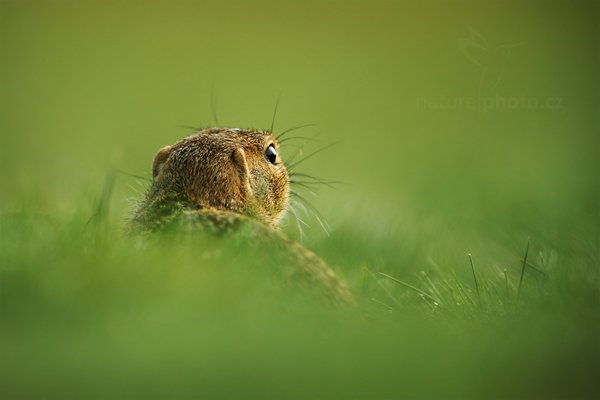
<point>271,154</point>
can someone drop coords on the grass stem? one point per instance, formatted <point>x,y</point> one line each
<point>474,275</point>
<point>523,269</point>
<point>422,293</point>
<point>506,281</point>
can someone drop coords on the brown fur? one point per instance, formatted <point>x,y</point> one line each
<point>221,169</point>
<point>220,178</point>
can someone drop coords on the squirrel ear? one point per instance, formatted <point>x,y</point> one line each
<point>159,160</point>
<point>239,161</point>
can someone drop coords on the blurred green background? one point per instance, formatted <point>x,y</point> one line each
<point>462,127</point>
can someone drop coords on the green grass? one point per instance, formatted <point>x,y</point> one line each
<point>87,311</point>
<point>469,235</point>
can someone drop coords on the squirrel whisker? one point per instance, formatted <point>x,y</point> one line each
<point>282,134</point>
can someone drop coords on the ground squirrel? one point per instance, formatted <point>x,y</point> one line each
<point>220,179</point>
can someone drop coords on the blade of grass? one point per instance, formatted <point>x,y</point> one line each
<point>381,303</point>
<point>387,292</point>
<point>474,275</point>
<point>422,293</point>
<point>428,280</point>
<point>534,268</point>
<point>524,265</point>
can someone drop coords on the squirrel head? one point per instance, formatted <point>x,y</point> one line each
<point>225,169</point>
